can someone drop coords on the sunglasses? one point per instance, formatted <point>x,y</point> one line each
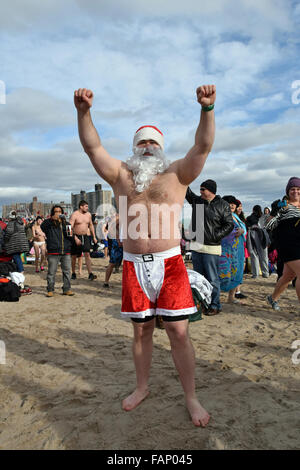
<point>202,189</point>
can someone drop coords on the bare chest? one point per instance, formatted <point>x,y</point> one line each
<point>164,189</point>
<point>82,219</point>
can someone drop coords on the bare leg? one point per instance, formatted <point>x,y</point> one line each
<point>184,359</point>
<point>80,263</point>
<point>88,262</point>
<point>283,282</point>
<point>108,272</point>
<point>231,298</point>
<point>43,255</point>
<point>37,256</point>
<point>295,267</point>
<point>142,355</point>
<point>74,257</point>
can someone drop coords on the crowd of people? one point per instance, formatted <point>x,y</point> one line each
<point>233,244</point>
<point>56,241</point>
<point>263,243</point>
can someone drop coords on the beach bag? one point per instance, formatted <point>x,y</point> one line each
<point>199,305</point>
<point>9,292</point>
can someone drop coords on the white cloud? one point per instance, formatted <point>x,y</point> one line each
<point>144,62</point>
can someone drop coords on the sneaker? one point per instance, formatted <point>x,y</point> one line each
<point>73,276</point>
<point>69,292</point>
<point>50,294</point>
<point>273,303</point>
<point>105,284</point>
<point>26,291</point>
<point>92,277</point>
<point>239,295</point>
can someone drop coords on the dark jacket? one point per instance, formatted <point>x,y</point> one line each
<point>15,240</point>
<point>218,221</point>
<point>58,243</point>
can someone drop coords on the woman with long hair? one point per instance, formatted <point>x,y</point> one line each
<point>287,225</point>
<point>231,262</point>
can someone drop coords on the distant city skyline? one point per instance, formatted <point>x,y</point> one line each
<point>96,198</point>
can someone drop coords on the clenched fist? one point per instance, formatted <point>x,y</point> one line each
<point>206,94</point>
<point>83,99</point>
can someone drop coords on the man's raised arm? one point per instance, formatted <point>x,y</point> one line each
<point>106,166</point>
<point>190,167</point>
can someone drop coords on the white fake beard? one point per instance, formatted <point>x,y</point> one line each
<point>145,168</point>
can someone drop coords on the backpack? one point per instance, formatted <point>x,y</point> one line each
<point>9,292</point>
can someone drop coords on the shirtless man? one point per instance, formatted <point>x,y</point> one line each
<point>153,269</point>
<point>81,222</point>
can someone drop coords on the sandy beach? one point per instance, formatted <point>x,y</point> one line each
<point>69,365</point>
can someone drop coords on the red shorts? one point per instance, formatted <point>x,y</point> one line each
<point>156,284</point>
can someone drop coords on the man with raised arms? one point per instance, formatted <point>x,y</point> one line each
<point>155,281</point>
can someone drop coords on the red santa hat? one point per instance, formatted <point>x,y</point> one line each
<point>147,133</point>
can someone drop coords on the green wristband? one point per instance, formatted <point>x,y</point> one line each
<point>208,108</point>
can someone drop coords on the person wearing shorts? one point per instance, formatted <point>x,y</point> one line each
<point>82,226</point>
<point>115,260</point>
<point>149,190</point>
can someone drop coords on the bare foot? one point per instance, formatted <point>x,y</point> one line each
<point>133,400</point>
<point>199,415</point>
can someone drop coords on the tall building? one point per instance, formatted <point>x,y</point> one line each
<point>99,201</point>
<point>36,208</point>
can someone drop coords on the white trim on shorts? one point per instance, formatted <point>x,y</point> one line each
<point>138,258</point>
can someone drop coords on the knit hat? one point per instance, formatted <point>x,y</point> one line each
<point>211,185</point>
<point>147,133</point>
<point>293,182</point>
<point>231,200</point>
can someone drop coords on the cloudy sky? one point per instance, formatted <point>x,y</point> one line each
<point>144,61</point>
